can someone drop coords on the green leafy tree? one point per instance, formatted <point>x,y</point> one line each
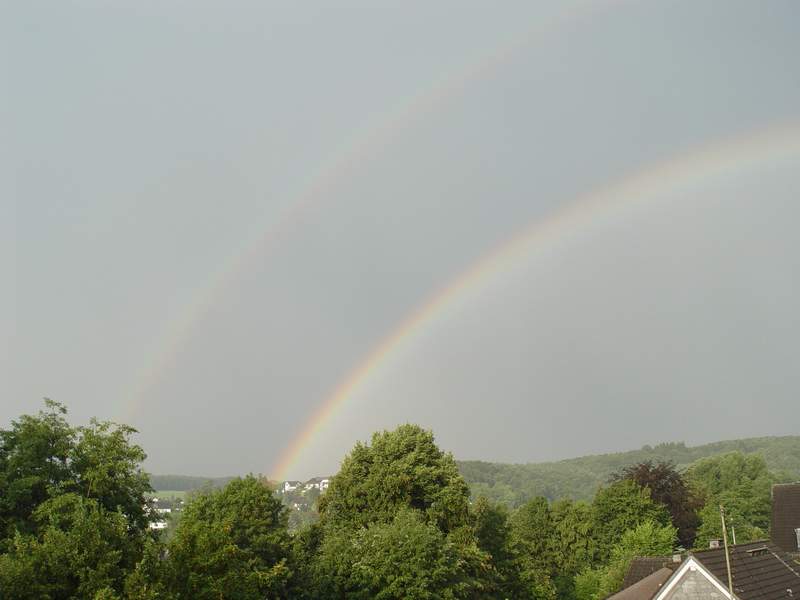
<point>42,457</point>
<point>574,545</point>
<point>668,487</point>
<point>493,535</point>
<point>80,550</point>
<point>231,543</point>
<point>742,484</point>
<point>587,583</point>
<point>647,539</point>
<point>34,456</point>
<point>552,543</point>
<point>492,529</point>
<point>402,468</point>
<point>147,581</point>
<point>401,486</point>
<point>107,466</point>
<point>532,538</point>
<point>619,507</point>
<point>407,558</point>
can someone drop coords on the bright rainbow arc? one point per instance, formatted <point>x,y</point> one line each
<point>362,146</point>
<point>721,156</point>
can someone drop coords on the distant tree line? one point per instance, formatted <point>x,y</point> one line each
<point>186,483</point>
<point>579,478</point>
<point>397,521</point>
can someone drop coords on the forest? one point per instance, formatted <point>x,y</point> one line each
<point>579,478</point>
<point>398,521</point>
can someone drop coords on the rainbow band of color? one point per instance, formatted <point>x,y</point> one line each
<point>347,161</point>
<point>724,156</point>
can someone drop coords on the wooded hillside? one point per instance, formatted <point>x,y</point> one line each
<point>578,478</point>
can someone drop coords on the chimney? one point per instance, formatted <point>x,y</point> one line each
<point>785,522</point>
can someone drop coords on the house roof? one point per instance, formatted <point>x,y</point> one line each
<point>643,566</point>
<point>645,588</point>
<point>760,571</point>
<point>785,516</point>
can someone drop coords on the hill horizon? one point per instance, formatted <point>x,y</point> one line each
<point>575,477</point>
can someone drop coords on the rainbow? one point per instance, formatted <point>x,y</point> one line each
<point>720,157</point>
<point>346,162</point>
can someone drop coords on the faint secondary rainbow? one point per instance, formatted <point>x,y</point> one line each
<point>346,162</point>
<point>719,157</point>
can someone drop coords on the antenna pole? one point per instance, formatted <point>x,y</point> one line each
<point>727,554</point>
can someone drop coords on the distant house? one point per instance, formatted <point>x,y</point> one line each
<point>158,525</point>
<point>317,483</point>
<point>785,524</point>
<point>759,570</point>
<point>290,486</point>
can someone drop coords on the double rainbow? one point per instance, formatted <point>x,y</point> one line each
<point>724,157</point>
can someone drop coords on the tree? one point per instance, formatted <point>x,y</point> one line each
<point>107,467</point>
<point>621,506</point>
<point>231,543</point>
<point>401,486</point>
<point>34,455</point>
<point>647,539</point>
<point>492,529</point>
<point>402,468</point>
<point>533,544</point>
<point>42,457</point>
<point>668,487</point>
<point>493,535</point>
<point>574,544</point>
<point>80,550</point>
<point>73,509</point>
<point>407,558</point>
<point>742,483</point>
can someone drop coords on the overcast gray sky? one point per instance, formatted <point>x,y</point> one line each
<point>213,212</point>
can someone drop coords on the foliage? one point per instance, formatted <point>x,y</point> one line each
<point>531,538</point>
<point>668,487</point>
<point>42,457</point>
<point>619,507</point>
<point>34,455</point>
<point>493,536</point>
<point>80,549</point>
<point>402,468</point>
<point>742,484</point>
<point>187,483</point>
<point>231,543</point>
<point>106,466</point>
<point>395,506</point>
<point>396,521</point>
<point>492,530</point>
<point>73,507</point>
<point>647,539</point>
<point>574,537</point>
<point>407,558</point>
<point>587,583</point>
<point>574,545</point>
<point>579,478</point>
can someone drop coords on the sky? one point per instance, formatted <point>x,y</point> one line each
<point>214,216</point>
